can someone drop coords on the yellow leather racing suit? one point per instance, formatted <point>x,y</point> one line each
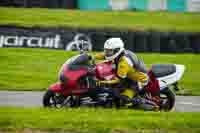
<point>130,67</point>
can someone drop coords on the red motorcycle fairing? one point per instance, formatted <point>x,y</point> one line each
<point>60,88</point>
<point>74,74</point>
<point>57,87</point>
<point>71,84</point>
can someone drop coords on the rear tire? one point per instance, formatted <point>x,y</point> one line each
<point>170,96</point>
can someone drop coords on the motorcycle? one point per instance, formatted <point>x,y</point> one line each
<point>79,77</point>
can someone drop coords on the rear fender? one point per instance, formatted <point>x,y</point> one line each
<point>173,78</point>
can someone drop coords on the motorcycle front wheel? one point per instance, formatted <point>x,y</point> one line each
<point>51,99</point>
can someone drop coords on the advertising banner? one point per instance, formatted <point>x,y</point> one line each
<point>93,39</point>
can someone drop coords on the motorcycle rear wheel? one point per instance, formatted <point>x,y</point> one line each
<point>170,99</point>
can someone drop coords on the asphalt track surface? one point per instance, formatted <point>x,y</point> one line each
<point>34,99</point>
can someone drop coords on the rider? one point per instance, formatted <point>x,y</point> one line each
<point>130,69</point>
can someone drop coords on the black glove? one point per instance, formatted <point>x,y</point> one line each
<point>142,92</point>
<point>90,57</point>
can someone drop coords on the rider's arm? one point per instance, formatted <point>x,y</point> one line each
<point>113,81</point>
<point>123,68</point>
<point>100,56</point>
<point>126,69</point>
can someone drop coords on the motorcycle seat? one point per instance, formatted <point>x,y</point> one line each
<point>161,70</point>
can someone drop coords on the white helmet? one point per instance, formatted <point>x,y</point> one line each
<point>113,47</point>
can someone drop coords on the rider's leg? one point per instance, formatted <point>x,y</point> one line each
<point>127,95</point>
<point>147,107</point>
<point>140,102</point>
<point>122,96</point>
<point>116,96</point>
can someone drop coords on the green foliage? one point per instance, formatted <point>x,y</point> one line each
<point>162,21</point>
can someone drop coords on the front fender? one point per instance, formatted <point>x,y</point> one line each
<point>57,87</point>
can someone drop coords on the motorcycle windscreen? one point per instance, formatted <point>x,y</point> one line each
<point>75,63</point>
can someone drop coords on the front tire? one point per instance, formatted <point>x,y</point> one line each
<point>52,99</point>
<point>48,96</point>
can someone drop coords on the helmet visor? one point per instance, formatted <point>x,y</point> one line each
<point>108,52</point>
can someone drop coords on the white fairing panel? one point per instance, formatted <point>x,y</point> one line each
<point>172,78</point>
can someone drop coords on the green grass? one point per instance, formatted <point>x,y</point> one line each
<point>30,69</point>
<point>36,69</point>
<point>97,120</point>
<point>162,21</point>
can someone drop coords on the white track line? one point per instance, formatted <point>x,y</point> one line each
<point>189,103</point>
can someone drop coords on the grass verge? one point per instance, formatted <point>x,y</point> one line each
<point>161,21</point>
<point>96,121</point>
<point>36,69</point>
